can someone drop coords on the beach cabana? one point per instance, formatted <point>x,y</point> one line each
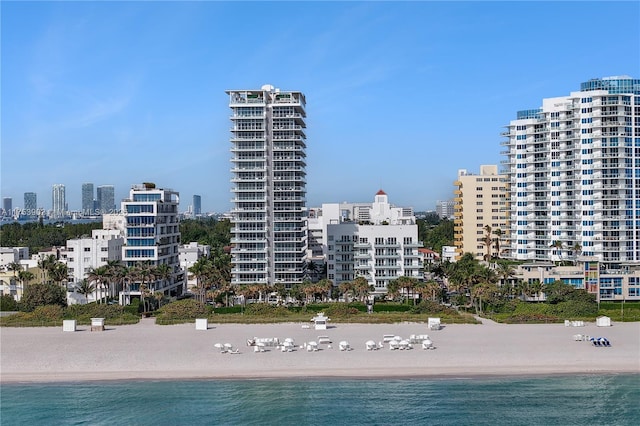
<point>434,323</point>
<point>320,321</point>
<point>603,321</point>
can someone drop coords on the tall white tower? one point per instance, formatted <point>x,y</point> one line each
<point>269,186</point>
<point>58,201</point>
<point>574,173</point>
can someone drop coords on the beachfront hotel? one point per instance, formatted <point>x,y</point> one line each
<point>268,186</point>
<point>377,241</point>
<point>480,211</point>
<point>152,236</point>
<point>574,171</point>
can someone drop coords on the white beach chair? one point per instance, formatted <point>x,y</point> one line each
<point>344,346</point>
<point>394,344</point>
<point>427,344</point>
<point>312,346</point>
<point>404,344</point>
<point>220,347</point>
<point>371,345</point>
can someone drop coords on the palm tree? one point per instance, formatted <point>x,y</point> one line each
<point>59,273</point>
<point>25,277</point>
<point>487,243</point>
<point>163,272</point>
<point>558,245</point>
<point>98,276</point>
<point>479,290</point>
<point>498,233</point>
<point>347,289</point>
<point>325,286</point>
<point>407,284</point>
<point>200,270</point>
<point>46,264</point>
<point>361,288</point>
<point>577,249</point>
<point>15,267</point>
<point>86,288</point>
<point>505,271</point>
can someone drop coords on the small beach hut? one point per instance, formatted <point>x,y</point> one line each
<point>320,321</point>
<point>603,321</point>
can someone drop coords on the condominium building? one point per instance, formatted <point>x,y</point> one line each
<point>197,205</point>
<point>105,199</point>
<point>574,171</point>
<point>445,209</point>
<point>30,205</point>
<point>88,208</point>
<point>189,255</point>
<point>480,215</point>
<point>7,206</point>
<point>152,235</point>
<point>268,144</point>
<point>377,241</point>
<point>59,201</point>
<point>84,254</point>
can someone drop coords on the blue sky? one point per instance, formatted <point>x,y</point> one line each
<point>400,95</point>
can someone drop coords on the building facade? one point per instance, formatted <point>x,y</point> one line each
<point>480,211</point>
<point>377,241</point>
<point>58,202</point>
<point>88,207</point>
<point>445,209</point>
<point>30,205</point>
<point>105,199</point>
<point>84,254</point>
<point>574,170</point>
<point>197,205</point>
<point>189,255</point>
<point>7,206</point>
<point>152,236</point>
<point>268,146</point>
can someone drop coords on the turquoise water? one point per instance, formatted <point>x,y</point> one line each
<point>566,400</point>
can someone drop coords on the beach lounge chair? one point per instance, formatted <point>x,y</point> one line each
<point>404,344</point>
<point>394,344</point>
<point>312,346</point>
<point>605,342</point>
<point>371,345</point>
<point>220,347</point>
<point>344,346</point>
<point>427,344</point>
<point>386,338</point>
<point>323,340</point>
<point>595,341</point>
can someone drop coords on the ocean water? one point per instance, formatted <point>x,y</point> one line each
<point>556,400</point>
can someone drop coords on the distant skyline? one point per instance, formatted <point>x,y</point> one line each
<point>400,95</point>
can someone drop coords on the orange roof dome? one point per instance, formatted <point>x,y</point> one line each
<point>381,192</point>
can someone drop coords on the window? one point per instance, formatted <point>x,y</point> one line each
<point>87,249</point>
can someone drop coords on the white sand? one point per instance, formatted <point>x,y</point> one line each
<point>149,351</point>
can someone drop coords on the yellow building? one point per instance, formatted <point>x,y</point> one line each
<point>480,213</point>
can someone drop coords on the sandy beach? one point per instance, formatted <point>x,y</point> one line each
<point>149,351</point>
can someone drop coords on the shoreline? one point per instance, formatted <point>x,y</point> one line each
<point>147,352</point>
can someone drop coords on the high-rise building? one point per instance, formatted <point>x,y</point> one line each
<point>574,170</point>
<point>152,236</point>
<point>197,205</point>
<point>30,205</point>
<point>480,217</point>
<point>105,199</point>
<point>444,209</point>
<point>87,199</point>
<point>59,201</point>
<point>269,186</point>
<point>7,206</point>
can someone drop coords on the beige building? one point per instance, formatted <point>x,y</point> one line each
<point>480,203</point>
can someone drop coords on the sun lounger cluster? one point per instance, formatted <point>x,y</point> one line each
<point>226,348</point>
<point>600,342</point>
<point>568,323</point>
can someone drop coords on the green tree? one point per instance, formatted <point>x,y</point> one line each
<point>42,294</point>
<point>86,288</point>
